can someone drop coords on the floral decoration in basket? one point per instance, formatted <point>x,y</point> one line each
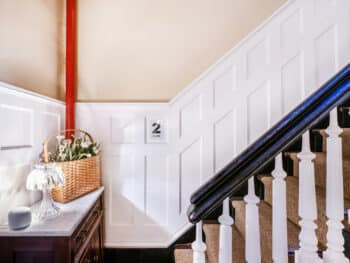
<point>79,160</point>
<point>73,149</point>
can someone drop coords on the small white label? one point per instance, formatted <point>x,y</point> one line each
<point>156,131</point>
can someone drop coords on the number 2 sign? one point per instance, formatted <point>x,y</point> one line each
<point>156,131</point>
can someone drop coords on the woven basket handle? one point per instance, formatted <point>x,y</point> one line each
<point>46,142</point>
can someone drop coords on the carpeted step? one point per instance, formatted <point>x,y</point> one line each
<point>320,171</point>
<point>345,141</point>
<point>183,253</point>
<point>292,207</point>
<point>292,196</point>
<point>212,234</point>
<point>320,167</point>
<point>292,204</point>
<point>265,217</point>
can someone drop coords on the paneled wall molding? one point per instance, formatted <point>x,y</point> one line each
<point>148,184</point>
<point>227,56</point>
<point>26,119</point>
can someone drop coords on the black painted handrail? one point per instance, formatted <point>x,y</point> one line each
<point>211,195</point>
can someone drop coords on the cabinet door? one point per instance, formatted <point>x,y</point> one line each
<point>94,250</point>
<point>97,246</point>
<point>87,256</point>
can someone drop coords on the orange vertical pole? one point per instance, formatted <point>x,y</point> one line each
<point>70,64</point>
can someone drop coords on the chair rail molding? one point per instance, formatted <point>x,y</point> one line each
<point>148,183</point>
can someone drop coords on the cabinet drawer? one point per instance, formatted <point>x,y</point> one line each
<point>86,226</point>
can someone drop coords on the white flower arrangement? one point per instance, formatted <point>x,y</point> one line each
<point>73,149</point>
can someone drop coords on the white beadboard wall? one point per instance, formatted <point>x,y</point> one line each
<point>148,185</point>
<point>26,119</point>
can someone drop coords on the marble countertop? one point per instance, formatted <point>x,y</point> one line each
<point>65,224</point>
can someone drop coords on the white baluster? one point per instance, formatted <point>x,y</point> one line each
<point>335,196</point>
<point>225,246</point>
<point>252,228</point>
<point>198,246</point>
<point>307,205</point>
<point>279,214</point>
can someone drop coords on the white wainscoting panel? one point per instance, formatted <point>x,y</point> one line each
<point>292,83</point>
<point>148,185</point>
<point>18,126</point>
<point>135,171</point>
<point>26,119</point>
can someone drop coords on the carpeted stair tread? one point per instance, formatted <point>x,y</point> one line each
<point>345,141</point>
<point>320,171</point>
<point>292,196</point>
<point>183,253</point>
<point>292,204</point>
<point>265,217</point>
<point>212,234</point>
<point>292,183</point>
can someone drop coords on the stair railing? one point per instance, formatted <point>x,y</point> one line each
<point>269,146</point>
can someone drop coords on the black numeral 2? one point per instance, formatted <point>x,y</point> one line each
<point>156,129</point>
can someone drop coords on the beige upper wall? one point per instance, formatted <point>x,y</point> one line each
<point>31,45</point>
<point>141,50</point>
<point>128,50</point>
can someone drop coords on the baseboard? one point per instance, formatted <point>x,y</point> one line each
<point>142,255</point>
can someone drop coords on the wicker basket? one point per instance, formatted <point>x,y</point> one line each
<point>81,176</point>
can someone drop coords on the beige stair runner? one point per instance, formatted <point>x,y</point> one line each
<point>183,254</point>
<point>212,240</point>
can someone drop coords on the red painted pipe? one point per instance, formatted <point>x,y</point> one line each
<point>70,64</point>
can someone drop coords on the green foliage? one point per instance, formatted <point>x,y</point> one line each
<point>72,150</point>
